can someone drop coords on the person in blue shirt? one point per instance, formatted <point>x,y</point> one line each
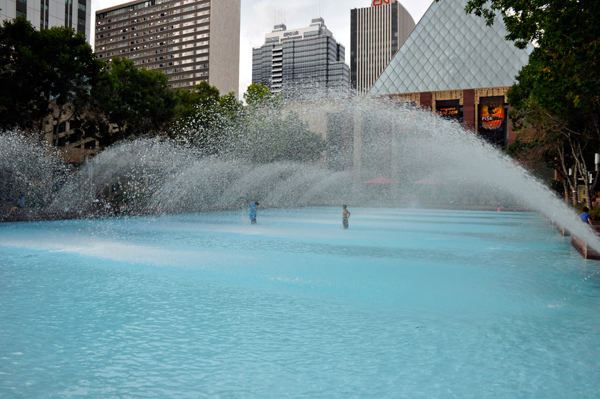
<point>253,213</point>
<point>585,216</point>
<point>20,204</point>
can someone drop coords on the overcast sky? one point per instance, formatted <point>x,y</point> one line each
<point>259,16</point>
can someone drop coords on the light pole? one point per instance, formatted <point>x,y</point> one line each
<point>574,184</point>
<point>596,161</point>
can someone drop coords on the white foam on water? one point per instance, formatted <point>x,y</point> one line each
<point>121,252</point>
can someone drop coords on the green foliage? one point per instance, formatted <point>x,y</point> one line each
<point>260,96</point>
<point>595,213</point>
<point>299,143</point>
<point>137,101</point>
<point>557,97</point>
<point>563,71</point>
<point>260,133</point>
<point>557,186</point>
<point>43,73</point>
<point>271,135</point>
<point>52,76</point>
<point>206,120</point>
<point>203,96</point>
<point>21,103</point>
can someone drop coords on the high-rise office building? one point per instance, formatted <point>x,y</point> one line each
<point>44,14</point>
<point>296,62</point>
<point>189,40</point>
<point>376,33</point>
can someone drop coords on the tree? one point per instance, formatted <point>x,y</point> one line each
<point>21,75</point>
<point>270,134</point>
<point>563,69</point>
<point>300,144</point>
<point>562,79</point>
<point>207,120</point>
<point>203,97</point>
<point>43,74</point>
<point>261,132</point>
<point>544,139</point>
<point>135,101</point>
<point>74,71</point>
<point>258,96</point>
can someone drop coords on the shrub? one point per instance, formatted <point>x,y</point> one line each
<point>595,213</point>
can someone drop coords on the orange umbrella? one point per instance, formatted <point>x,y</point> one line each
<point>381,180</point>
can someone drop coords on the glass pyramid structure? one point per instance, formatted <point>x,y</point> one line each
<point>452,50</point>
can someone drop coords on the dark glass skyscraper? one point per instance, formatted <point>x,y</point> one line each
<point>300,61</point>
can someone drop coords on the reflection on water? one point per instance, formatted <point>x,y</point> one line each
<point>406,303</point>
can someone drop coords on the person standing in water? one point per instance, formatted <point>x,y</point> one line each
<point>19,205</point>
<point>253,213</point>
<point>345,216</point>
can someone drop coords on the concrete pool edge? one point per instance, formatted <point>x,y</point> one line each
<point>579,244</point>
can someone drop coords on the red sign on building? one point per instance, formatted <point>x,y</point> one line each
<point>380,2</point>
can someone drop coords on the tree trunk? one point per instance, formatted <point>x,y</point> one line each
<point>571,184</point>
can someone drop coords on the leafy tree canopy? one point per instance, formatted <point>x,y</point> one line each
<point>564,70</point>
<point>261,132</point>
<point>557,95</point>
<point>43,73</point>
<point>206,119</point>
<point>258,95</point>
<point>202,97</point>
<point>270,134</point>
<point>136,101</point>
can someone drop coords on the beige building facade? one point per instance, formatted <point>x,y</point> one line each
<point>45,14</point>
<point>189,40</point>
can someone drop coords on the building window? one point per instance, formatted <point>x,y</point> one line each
<point>81,6</point>
<point>21,8</point>
<point>44,14</point>
<point>69,13</point>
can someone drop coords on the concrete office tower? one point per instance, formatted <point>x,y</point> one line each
<point>299,61</point>
<point>44,14</point>
<point>376,33</point>
<point>189,40</point>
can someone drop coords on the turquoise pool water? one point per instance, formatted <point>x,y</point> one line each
<point>404,304</point>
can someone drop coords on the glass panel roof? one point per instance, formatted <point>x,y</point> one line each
<point>450,50</point>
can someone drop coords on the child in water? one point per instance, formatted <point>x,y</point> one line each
<point>19,205</point>
<point>585,216</point>
<point>253,213</point>
<point>345,216</point>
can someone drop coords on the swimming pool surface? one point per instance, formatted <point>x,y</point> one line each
<point>404,304</point>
